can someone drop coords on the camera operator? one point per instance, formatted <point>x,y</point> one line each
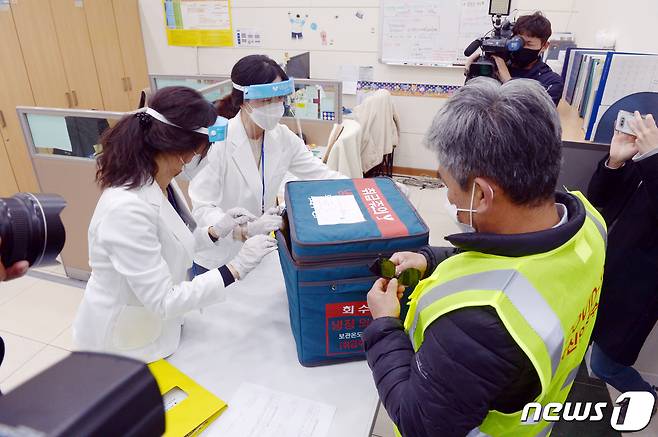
<point>14,271</point>
<point>526,63</point>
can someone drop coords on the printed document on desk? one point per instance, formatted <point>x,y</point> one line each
<point>337,210</point>
<point>257,411</point>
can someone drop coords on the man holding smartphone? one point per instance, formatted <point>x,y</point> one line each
<point>625,188</point>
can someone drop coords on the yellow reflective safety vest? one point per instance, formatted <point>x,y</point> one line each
<point>547,302</point>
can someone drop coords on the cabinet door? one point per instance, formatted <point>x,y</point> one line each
<point>8,185</point>
<point>107,53</point>
<point>126,13</point>
<point>75,46</point>
<point>14,91</point>
<point>38,39</point>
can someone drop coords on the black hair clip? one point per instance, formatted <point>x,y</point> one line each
<point>144,120</point>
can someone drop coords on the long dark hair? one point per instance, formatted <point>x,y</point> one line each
<point>131,147</point>
<point>250,70</point>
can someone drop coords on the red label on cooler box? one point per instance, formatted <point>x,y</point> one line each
<point>380,210</point>
<point>345,323</point>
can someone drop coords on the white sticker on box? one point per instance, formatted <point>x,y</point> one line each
<point>337,210</point>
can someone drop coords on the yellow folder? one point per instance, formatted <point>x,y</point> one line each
<point>189,408</point>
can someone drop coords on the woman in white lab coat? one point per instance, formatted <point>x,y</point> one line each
<point>142,237</point>
<point>259,152</point>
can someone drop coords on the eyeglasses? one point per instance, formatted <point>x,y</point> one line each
<point>385,268</point>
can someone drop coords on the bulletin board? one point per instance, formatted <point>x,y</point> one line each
<point>198,23</point>
<point>430,32</point>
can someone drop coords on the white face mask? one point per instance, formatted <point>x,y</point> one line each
<point>453,210</point>
<point>268,116</point>
<point>192,168</point>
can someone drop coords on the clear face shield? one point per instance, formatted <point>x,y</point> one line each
<point>268,103</point>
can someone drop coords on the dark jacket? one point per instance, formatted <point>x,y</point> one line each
<point>629,298</point>
<point>542,73</point>
<point>468,363</point>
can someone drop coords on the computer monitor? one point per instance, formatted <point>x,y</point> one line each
<point>579,162</point>
<point>499,7</point>
<point>299,67</point>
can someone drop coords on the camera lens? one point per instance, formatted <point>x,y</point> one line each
<point>31,229</point>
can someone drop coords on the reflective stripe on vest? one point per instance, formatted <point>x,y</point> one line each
<point>477,433</point>
<point>521,293</point>
<point>599,226</point>
<point>571,377</point>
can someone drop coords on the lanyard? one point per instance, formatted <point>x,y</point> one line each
<point>262,174</point>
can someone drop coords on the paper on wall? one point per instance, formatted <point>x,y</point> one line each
<point>336,210</point>
<point>248,37</point>
<point>350,75</point>
<point>257,411</point>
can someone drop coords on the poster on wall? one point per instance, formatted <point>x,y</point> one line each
<point>198,23</point>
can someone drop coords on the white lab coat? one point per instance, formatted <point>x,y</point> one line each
<point>380,126</point>
<point>232,179</point>
<point>140,252</point>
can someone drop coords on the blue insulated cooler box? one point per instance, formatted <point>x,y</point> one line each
<point>334,230</point>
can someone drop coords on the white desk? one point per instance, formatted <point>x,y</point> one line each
<point>247,338</point>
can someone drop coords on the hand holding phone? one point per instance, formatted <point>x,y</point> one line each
<point>623,123</point>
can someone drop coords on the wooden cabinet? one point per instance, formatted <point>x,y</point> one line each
<point>126,13</point>
<point>16,171</point>
<point>85,54</point>
<point>107,53</point>
<point>121,64</point>
<point>76,53</point>
<point>8,184</point>
<point>43,59</point>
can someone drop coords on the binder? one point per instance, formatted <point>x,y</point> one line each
<point>571,68</point>
<point>623,74</point>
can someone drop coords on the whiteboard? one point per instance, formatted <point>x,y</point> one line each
<point>430,32</point>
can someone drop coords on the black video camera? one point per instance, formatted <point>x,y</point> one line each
<point>31,229</point>
<point>500,44</point>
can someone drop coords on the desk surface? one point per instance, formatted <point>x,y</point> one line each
<point>247,338</point>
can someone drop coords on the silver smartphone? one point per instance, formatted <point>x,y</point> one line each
<point>623,125</point>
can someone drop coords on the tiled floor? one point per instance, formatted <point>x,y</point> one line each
<point>36,314</point>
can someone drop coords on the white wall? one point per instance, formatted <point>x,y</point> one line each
<point>356,42</point>
<point>634,22</point>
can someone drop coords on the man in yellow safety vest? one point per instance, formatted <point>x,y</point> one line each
<point>506,318</point>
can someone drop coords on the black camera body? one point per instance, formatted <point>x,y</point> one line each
<point>501,44</point>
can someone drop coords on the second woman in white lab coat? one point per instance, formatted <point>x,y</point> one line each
<point>259,151</point>
<point>142,237</point>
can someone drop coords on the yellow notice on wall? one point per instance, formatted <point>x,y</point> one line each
<point>198,23</point>
<point>189,408</point>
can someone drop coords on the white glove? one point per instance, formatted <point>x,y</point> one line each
<point>275,210</point>
<point>233,218</point>
<point>251,254</point>
<point>264,224</point>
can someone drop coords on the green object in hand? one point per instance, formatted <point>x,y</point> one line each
<point>385,268</point>
<point>409,278</point>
